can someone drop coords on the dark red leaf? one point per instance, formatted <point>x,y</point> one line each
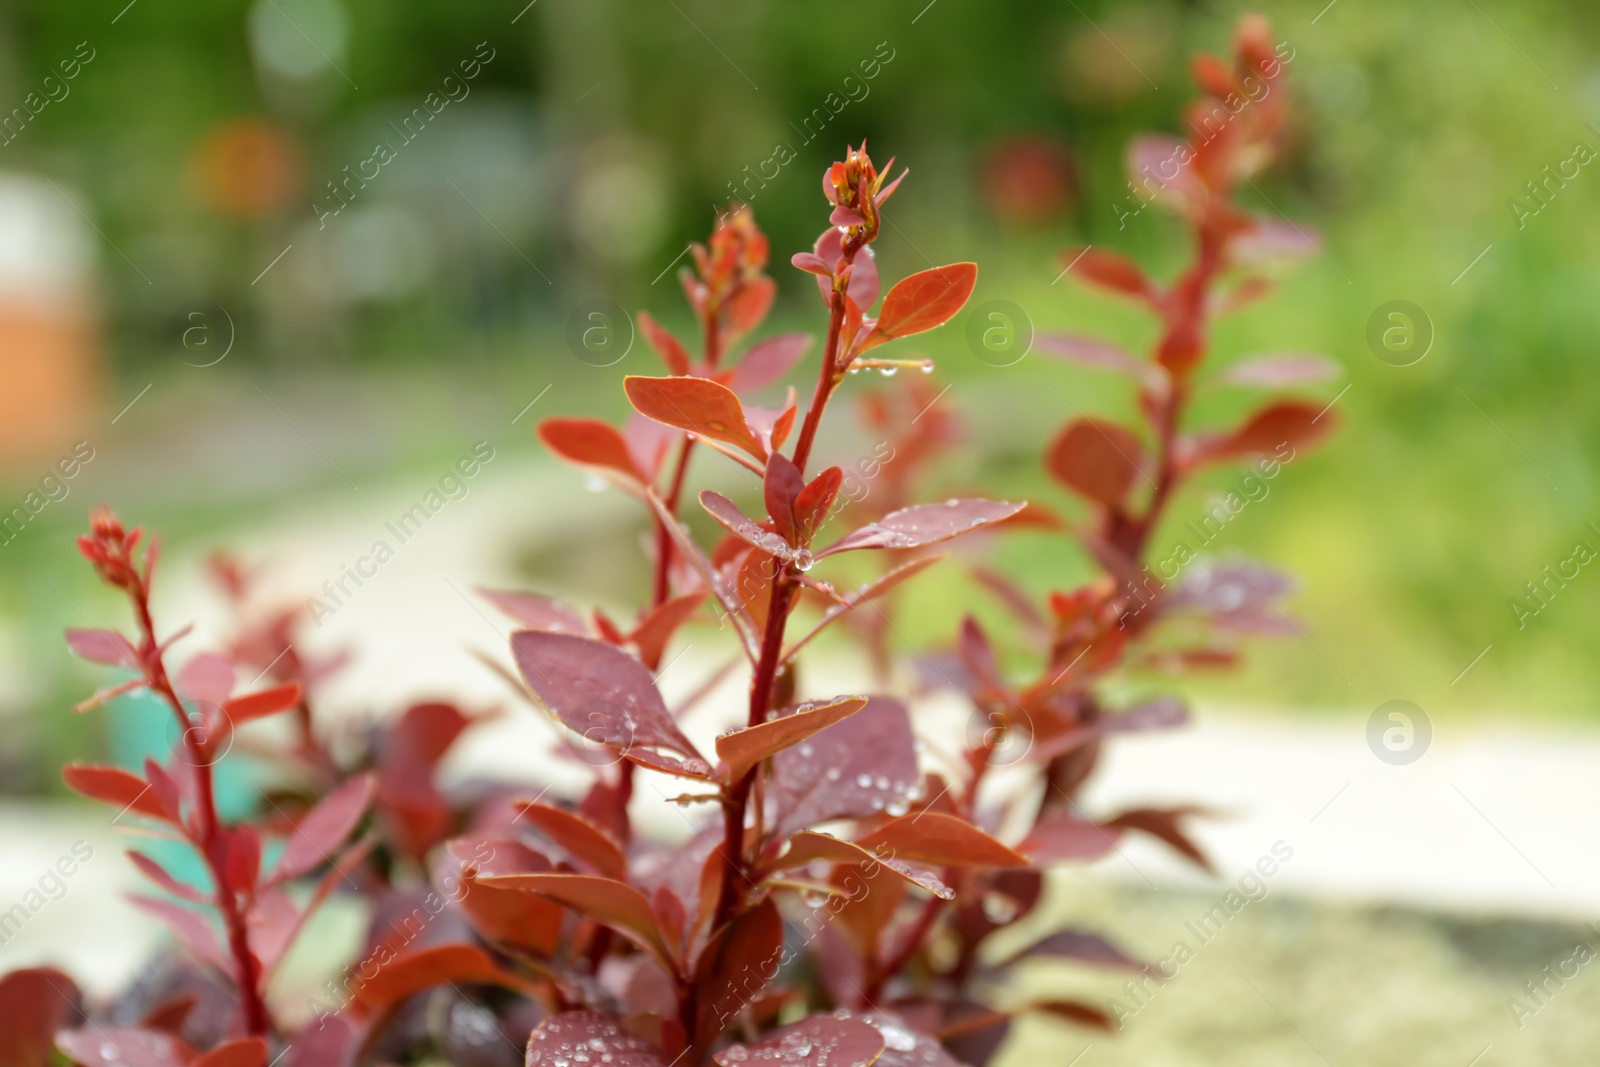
<point>925,524</point>
<point>1110,270</point>
<point>598,691</point>
<point>1287,423</point>
<point>1096,458</point>
<point>820,1041</point>
<point>115,786</point>
<point>743,749</point>
<point>245,1052</point>
<point>745,528</point>
<point>1078,1012</point>
<point>854,769</point>
<point>579,838</point>
<point>124,1046</point>
<point>695,405</point>
<point>1061,838</point>
<point>768,362</point>
<point>936,837</point>
<point>906,1046</point>
<point>428,967</point>
<point>1083,946</point>
<point>736,965</point>
<point>812,504</point>
<point>1159,713</point>
<point>241,710</point>
<point>591,443</point>
<point>603,900</point>
<point>808,846</point>
<point>1166,824</point>
<point>537,612</point>
<point>559,1038</point>
<point>34,1004</point>
<point>781,484</point>
<point>317,836</point>
<point>650,637</point>
<point>103,646</point>
<point>503,916</point>
<point>667,347</point>
<point>923,301</point>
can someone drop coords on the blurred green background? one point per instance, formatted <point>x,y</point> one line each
<point>598,138</point>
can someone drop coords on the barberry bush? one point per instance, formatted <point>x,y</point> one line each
<point>835,899</point>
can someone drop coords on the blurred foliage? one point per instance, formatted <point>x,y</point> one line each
<point>603,135</point>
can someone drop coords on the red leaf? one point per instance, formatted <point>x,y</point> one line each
<point>537,612</point>
<point>935,837</point>
<point>820,1041</point>
<point>591,443</point>
<point>852,770</point>
<point>695,405</point>
<point>1078,1012</point>
<point>863,284</point>
<point>1109,270</point>
<point>923,301</point>
<point>114,786</point>
<point>907,1046</point>
<point>812,504</point>
<point>667,347</point>
<point>745,528</point>
<point>749,306</point>
<point>808,847</point>
<point>1166,824</point>
<point>324,828</point>
<point>505,916</point>
<point>103,646</point>
<point>124,1046</point>
<point>207,677</point>
<point>1096,458</point>
<point>1281,370</point>
<point>190,928</point>
<point>650,637</point>
<point>865,593</point>
<point>241,849</point>
<point>425,968</point>
<point>241,710</point>
<point>780,487</point>
<point>1061,838</point>
<point>34,1004</point>
<point>555,1040</point>
<point>768,362</point>
<point>1288,423</point>
<point>1102,355</point>
<point>741,750</point>
<point>577,837</point>
<point>925,524</point>
<point>598,691</point>
<point>603,900</point>
<point>1084,946</point>
<point>245,1052</point>
<point>736,965</point>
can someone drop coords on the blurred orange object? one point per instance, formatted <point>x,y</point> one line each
<point>1027,179</point>
<point>247,168</point>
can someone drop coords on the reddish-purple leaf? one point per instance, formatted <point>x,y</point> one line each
<point>820,1041</point>
<point>1166,824</point>
<point>1109,270</point>
<point>190,928</point>
<point>925,524</point>
<point>938,837</point>
<point>768,362</point>
<point>598,691</point>
<point>603,900</point>
<point>1160,713</point>
<point>580,839</point>
<point>854,769</point>
<point>863,594</point>
<point>537,612</point>
<point>780,486</point>
<point>923,301</point>
<point>813,503</point>
<point>808,847</point>
<point>114,786</point>
<point>1083,946</point>
<point>1288,423</point>
<point>906,1046</point>
<point>863,285</point>
<point>324,828</point>
<point>1061,839</point>
<point>1161,168</point>
<point>124,1046</point>
<point>672,353</point>
<point>741,750</point>
<point>34,1004</point>
<point>428,967</point>
<point>650,637</point>
<point>503,916</point>
<point>162,878</point>
<point>745,528</point>
<point>243,1052</point>
<point>1077,1011</point>
<point>1102,355</point>
<point>695,405</point>
<point>736,965</point>
<point>1096,458</point>
<point>240,710</point>
<point>103,646</point>
<point>556,1040</point>
<point>1281,370</point>
<point>591,443</point>
<point>208,677</point>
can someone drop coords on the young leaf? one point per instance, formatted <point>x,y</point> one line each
<point>577,837</point>
<point>667,347</point>
<point>768,362</point>
<point>854,769</point>
<point>820,1041</point>
<point>114,786</point>
<point>606,901</point>
<point>555,1040</point>
<point>324,828</point>
<point>781,485</point>
<point>924,301</point>
<point>745,528</point>
<point>935,837</point>
<point>103,646</point>
<point>591,443</point>
<point>812,504</point>
<point>598,691</point>
<point>1097,459</point>
<point>925,524</point>
<point>743,749</point>
<point>695,405</point>
<point>1101,355</point>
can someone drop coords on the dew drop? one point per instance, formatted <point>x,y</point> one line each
<point>594,483</point>
<point>864,781</point>
<point>888,372</point>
